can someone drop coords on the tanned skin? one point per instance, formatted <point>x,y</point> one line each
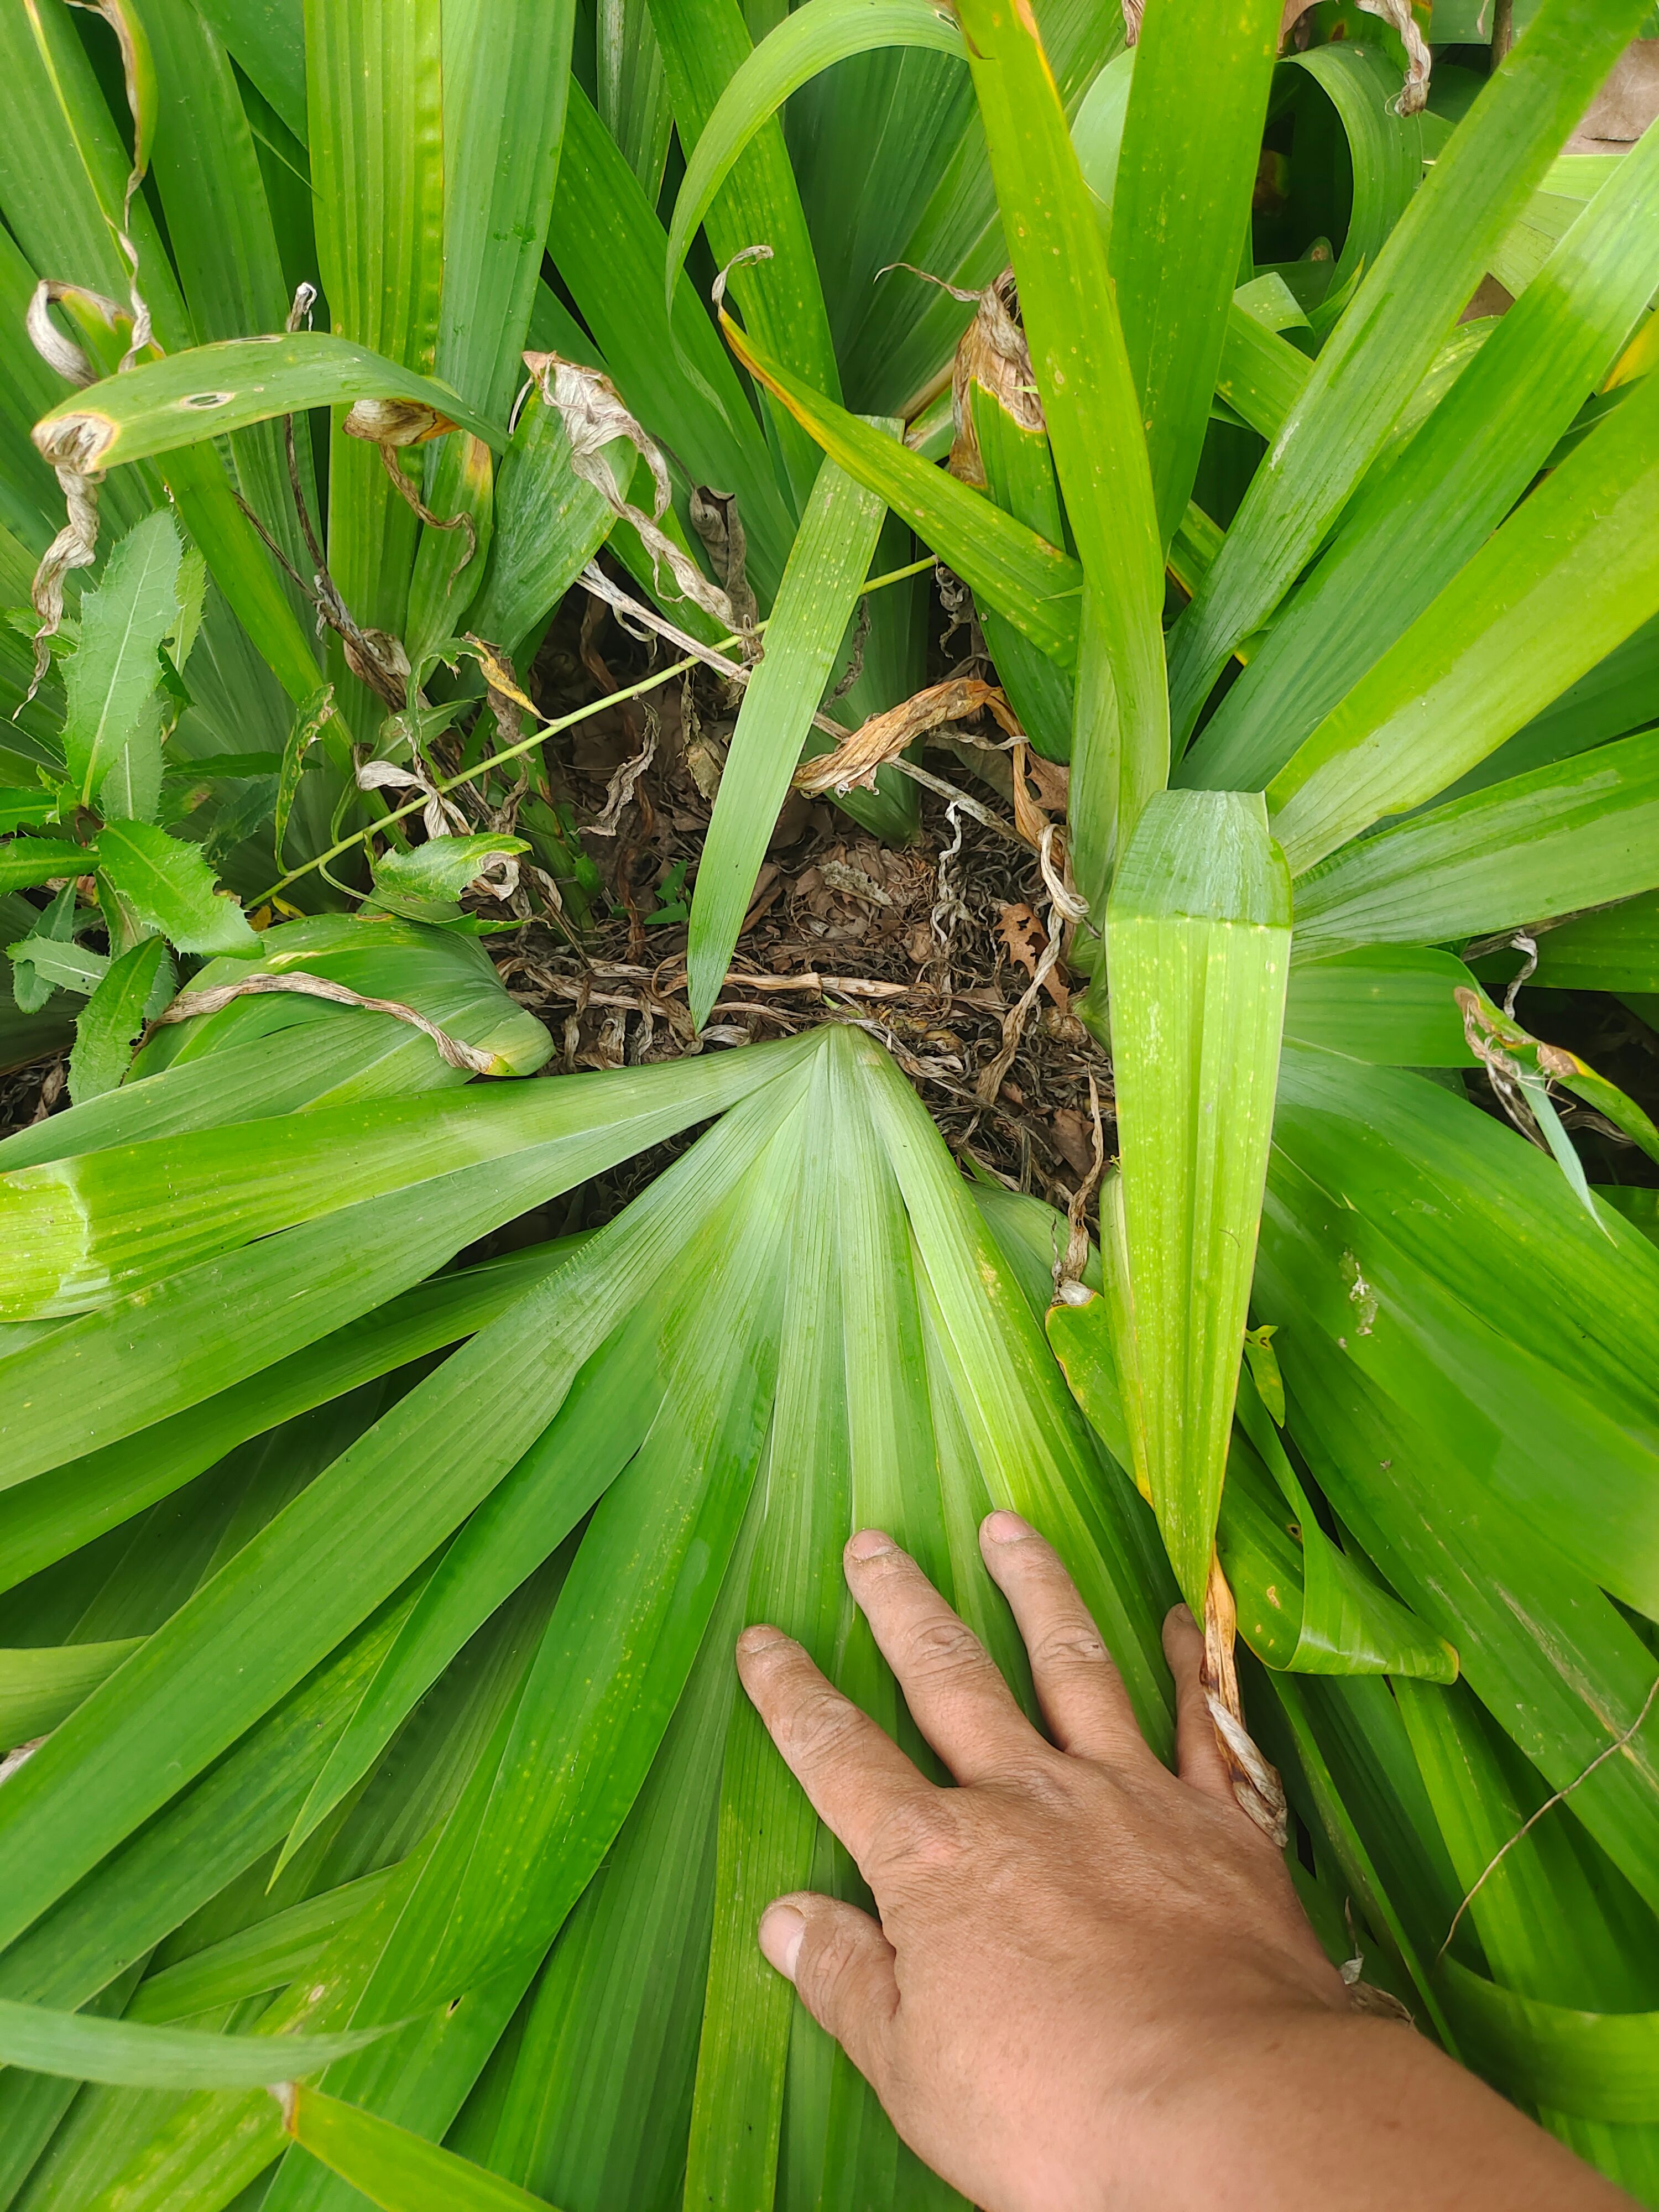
<point>1091,1985</point>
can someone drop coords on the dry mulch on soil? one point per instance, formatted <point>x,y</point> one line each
<point>929,945</point>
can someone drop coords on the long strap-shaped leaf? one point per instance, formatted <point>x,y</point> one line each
<point>191,396</point>
<point>208,1833</point>
<point>221,232</point>
<point>1573,572</point>
<point>1406,536</point>
<point>392,2168</point>
<point>62,162</point>
<point>608,245</point>
<point>1199,936</point>
<point>374,108</point>
<point>520,1524</point>
<point>1482,1578</point>
<point>512,63</point>
<point>767,1829</point>
<point>1120,739</point>
<point>1304,1606</point>
<point>639,1597</point>
<point>43,1521</point>
<point>1576,834</point>
<point>91,2050</point>
<point>611,2030</point>
<point>827,568</point>
<point>228,1319</point>
<point>1437,254</point>
<point>1192,141</point>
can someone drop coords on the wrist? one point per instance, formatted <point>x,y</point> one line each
<point>1299,2108</point>
<point>1248,2094</point>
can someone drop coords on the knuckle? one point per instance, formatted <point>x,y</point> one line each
<point>920,1839</point>
<point>1047,1786</point>
<point>820,1729</point>
<point>941,1647</point>
<point>832,1958</point>
<point>1072,1643</point>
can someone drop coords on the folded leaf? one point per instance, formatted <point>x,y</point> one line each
<point>1614,950</point>
<point>442,867</point>
<point>1389,1004</point>
<point>40,1685</point>
<point>1198,927</point>
<point>1603,2065</point>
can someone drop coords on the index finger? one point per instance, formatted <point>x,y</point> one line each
<point>854,1774</point>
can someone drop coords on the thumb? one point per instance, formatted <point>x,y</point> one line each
<point>841,1965</point>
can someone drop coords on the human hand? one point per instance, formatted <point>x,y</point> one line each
<point>1092,1984</point>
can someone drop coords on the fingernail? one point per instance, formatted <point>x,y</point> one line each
<point>781,1928</point>
<point>1005,1528</point>
<point>761,1638</point>
<point>1183,1614</point>
<point>869,1544</point>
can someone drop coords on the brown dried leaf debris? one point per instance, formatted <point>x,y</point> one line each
<point>1027,940</point>
<point>853,764</point>
<point>993,354</point>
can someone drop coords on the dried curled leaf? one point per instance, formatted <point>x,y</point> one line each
<point>189,1004</point>
<point>377,658</point>
<point>854,763</point>
<point>1255,1783</point>
<point>71,451</point>
<point>592,411</point>
<point>1023,936</point>
<point>392,425</point>
<point>993,353</point>
<point>138,78</point>
<point>394,422</point>
<point>1397,14</point>
<point>438,816</point>
<point>506,695</point>
<point>55,348</point>
<point>76,546</point>
<point>718,526</point>
<point>1025,940</point>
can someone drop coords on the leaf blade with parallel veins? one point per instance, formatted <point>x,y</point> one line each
<point>1198,927</point>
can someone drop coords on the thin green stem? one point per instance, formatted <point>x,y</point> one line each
<point>546,730</point>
